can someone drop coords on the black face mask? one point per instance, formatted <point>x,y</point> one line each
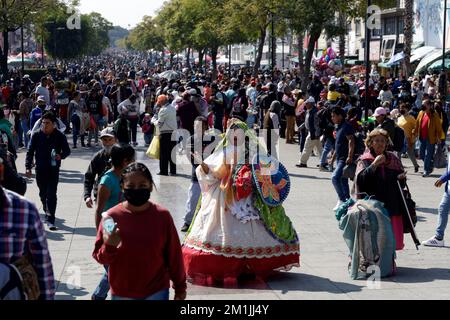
<point>403,112</point>
<point>137,197</point>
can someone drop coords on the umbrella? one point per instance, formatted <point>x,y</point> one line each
<point>437,65</point>
<point>429,59</point>
<point>396,58</point>
<point>19,61</point>
<point>421,52</point>
<point>170,75</point>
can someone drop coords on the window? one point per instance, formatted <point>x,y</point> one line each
<point>358,27</point>
<point>401,25</point>
<point>389,26</point>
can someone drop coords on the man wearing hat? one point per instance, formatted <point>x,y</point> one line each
<point>384,122</point>
<point>37,112</point>
<point>314,133</point>
<point>99,164</point>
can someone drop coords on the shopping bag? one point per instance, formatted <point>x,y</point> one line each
<point>440,158</point>
<point>92,123</point>
<point>154,149</point>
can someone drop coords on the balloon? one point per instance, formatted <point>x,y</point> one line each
<point>331,53</point>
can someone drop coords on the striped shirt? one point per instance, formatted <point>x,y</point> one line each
<point>21,233</point>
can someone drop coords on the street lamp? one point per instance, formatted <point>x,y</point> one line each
<point>443,81</point>
<point>367,54</point>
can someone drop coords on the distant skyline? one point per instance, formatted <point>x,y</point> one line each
<point>126,13</point>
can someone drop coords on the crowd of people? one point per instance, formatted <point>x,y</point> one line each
<point>235,226</point>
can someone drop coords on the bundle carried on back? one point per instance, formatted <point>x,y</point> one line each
<point>370,238</point>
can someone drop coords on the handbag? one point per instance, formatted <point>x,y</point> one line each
<point>440,159</point>
<point>349,171</point>
<point>92,123</point>
<point>154,149</point>
<point>29,278</point>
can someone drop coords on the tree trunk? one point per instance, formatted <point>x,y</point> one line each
<point>4,57</point>
<point>301,63</point>
<point>214,62</point>
<point>314,36</point>
<point>201,52</point>
<point>408,32</point>
<point>171,60</point>
<point>262,39</point>
<point>188,57</point>
<point>343,25</point>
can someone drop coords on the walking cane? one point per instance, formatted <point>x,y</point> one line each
<point>411,224</point>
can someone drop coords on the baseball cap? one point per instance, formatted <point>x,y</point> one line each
<point>108,132</point>
<point>380,112</point>
<point>193,92</point>
<point>310,100</point>
<point>41,99</point>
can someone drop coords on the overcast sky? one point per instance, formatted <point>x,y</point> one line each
<point>125,13</point>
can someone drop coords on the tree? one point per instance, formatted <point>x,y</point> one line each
<point>98,29</point>
<point>117,33</point>
<point>261,13</point>
<point>63,43</point>
<point>14,14</point>
<point>408,32</point>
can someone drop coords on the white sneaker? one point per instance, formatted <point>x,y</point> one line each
<point>51,226</point>
<point>433,242</point>
<point>338,204</point>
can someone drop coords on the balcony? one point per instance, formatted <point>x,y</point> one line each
<point>398,10</point>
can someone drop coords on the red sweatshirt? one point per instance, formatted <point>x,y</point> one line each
<point>148,257</point>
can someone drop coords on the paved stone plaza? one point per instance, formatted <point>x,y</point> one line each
<point>423,274</point>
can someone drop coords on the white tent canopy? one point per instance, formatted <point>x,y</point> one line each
<point>429,59</point>
<point>421,52</point>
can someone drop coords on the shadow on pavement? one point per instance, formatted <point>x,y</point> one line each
<point>286,282</point>
<point>88,232</point>
<point>66,176</point>
<point>294,175</point>
<point>427,210</point>
<point>72,292</point>
<point>416,275</point>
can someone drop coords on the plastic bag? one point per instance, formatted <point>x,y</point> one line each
<point>153,150</point>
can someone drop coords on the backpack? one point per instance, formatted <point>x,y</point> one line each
<point>237,106</point>
<point>399,139</point>
<point>262,101</point>
<point>11,286</point>
<point>360,146</point>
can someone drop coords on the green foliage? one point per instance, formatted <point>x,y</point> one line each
<point>117,33</point>
<point>60,42</point>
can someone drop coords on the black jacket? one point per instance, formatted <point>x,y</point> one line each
<point>42,145</point>
<point>98,166</point>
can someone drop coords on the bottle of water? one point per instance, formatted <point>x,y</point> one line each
<point>108,223</point>
<point>53,158</point>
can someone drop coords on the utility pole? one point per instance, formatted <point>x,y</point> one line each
<point>22,48</point>
<point>367,54</point>
<point>273,46</point>
<point>443,81</point>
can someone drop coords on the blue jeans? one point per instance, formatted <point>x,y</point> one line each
<point>251,119</point>
<point>191,204</point>
<point>444,208</point>
<point>339,182</point>
<point>427,154</point>
<point>329,145</point>
<point>101,292</point>
<point>161,295</point>
<point>76,123</point>
<point>25,129</point>
<point>148,137</point>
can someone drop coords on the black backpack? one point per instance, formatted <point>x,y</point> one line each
<point>399,139</point>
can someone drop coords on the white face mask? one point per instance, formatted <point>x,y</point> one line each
<point>107,149</point>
